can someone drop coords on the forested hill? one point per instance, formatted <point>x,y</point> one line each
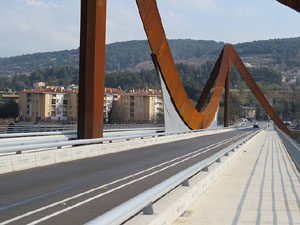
<point>119,56</point>
<point>126,55</point>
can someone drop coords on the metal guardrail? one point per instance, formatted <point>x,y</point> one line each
<point>46,145</point>
<point>26,128</point>
<point>292,147</point>
<point>14,135</point>
<point>37,141</point>
<point>126,126</point>
<point>144,201</point>
<point>21,128</point>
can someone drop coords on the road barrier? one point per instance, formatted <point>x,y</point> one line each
<point>143,202</point>
<point>42,154</point>
<point>33,128</point>
<point>291,145</point>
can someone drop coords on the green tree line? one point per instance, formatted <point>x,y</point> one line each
<point>125,55</point>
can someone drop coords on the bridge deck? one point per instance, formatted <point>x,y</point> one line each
<point>261,187</point>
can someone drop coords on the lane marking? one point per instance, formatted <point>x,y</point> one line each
<point>198,152</point>
<point>112,190</point>
<point>72,186</point>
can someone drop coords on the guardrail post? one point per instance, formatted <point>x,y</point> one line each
<point>148,210</point>
<point>186,183</point>
<point>205,169</point>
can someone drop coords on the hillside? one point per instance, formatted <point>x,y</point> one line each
<point>283,54</point>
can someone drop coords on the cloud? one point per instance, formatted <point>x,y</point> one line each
<point>41,4</point>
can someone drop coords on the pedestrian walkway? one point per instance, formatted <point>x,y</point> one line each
<point>262,186</point>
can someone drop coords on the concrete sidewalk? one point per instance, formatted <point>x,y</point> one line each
<point>262,186</point>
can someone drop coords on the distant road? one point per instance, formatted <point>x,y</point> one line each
<point>76,192</point>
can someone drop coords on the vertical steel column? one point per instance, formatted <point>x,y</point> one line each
<point>91,69</point>
<point>226,105</point>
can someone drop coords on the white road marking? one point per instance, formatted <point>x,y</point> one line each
<point>198,152</point>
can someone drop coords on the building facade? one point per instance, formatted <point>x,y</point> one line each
<point>111,96</point>
<point>249,112</point>
<point>48,104</point>
<point>58,104</point>
<point>142,106</point>
<point>7,96</point>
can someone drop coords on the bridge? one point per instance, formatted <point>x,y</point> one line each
<point>238,174</point>
<point>189,172</point>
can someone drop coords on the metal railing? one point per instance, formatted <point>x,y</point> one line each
<point>46,145</point>
<point>143,201</point>
<point>34,134</point>
<point>37,141</point>
<point>292,147</point>
<point>33,128</point>
<point>25,128</point>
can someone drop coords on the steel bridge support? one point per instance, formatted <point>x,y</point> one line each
<point>91,69</point>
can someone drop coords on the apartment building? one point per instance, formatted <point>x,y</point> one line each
<point>142,105</point>
<point>7,96</point>
<point>111,95</point>
<point>59,104</point>
<point>48,104</point>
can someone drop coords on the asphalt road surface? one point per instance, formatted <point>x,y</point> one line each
<point>76,192</point>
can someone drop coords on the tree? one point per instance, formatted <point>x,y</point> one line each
<point>9,110</point>
<point>117,114</point>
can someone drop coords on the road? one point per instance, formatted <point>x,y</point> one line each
<point>76,192</point>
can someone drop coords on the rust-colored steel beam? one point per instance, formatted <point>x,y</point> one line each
<point>191,116</point>
<point>209,83</point>
<point>256,91</point>
<point>91,69</point>
<point>294,4</point>
<point>159,46</point>
<point>226,101</point>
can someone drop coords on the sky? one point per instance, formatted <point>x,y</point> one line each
<point>30,26</point>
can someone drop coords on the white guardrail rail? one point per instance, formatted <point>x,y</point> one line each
<point>30,128</point>
<point>143,202</point>
<point>35,153</point>
<point>21,146</point>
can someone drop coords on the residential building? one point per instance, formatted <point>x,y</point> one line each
<point>48,104</point>
<point>72,110</point>
<point>39,85</point>
<point>142,106</point>
<point>111,95</point>
<point>7,96</point>
<point>249,112</point>
<point>59,104</point>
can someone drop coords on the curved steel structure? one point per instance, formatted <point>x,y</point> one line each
<point>92,63</point>
<point>294,4</point>
<point>193,117</point>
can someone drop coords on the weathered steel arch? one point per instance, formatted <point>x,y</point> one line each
<point>92,63</point>
<point>192,116</point>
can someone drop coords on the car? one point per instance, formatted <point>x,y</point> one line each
<point>255,125</point>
